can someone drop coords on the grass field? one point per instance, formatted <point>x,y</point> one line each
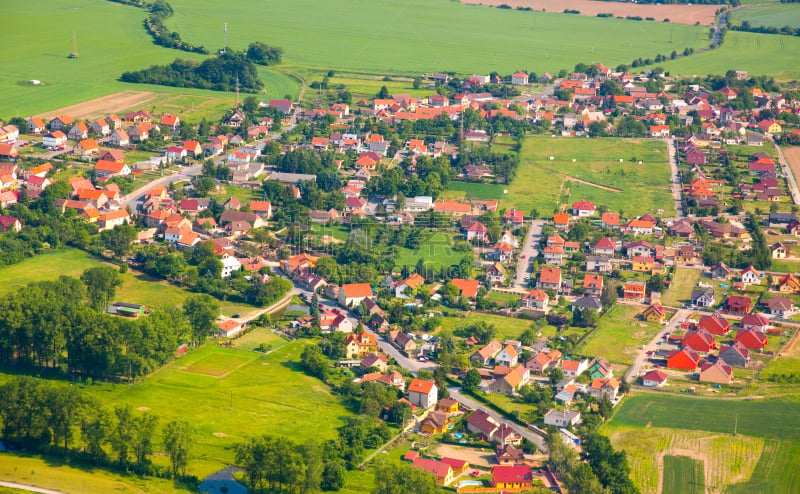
<point>436,249</point>
<point>231,394</point>
<point>257,337</point>
<point>683,474</point>
<point>507,327</point>
<point>756,53</point>
<point>769,15</point>
<point>618,335</point>
<point>680,291</point>
<point>139,289</point>
<point>54,473</point>
<point>461,190</point>
<point>544,184</point>
<point>111,39</point>
<point>393,37</point>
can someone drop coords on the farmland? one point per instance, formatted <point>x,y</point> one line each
<point>393,38</point>
<point>111,39</point>
<point>618,335</point>
<point>544,184</point>
<point>139,289</point>
<point>769,15</point>
<point>683,474</point>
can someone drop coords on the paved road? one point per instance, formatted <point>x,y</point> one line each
<point>29,488</point>
<point>134,198</point>
<point>787,170</point>
<point>527,434</point>
<point>677,187</point>
<point>640,361</point>
<point>718,29</point>
<point>530,250</point>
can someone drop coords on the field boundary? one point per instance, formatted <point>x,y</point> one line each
<point>104,105</point>
<point>569,178</point>
<point>694,455</point>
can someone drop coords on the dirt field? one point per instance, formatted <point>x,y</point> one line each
<point>680,14</point>
<point>471,455</point>
<point>99,107</point>
<point>792,155</point>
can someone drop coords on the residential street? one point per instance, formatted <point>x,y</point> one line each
<point>530,251</point>
<point>641,358</point>
<point>787,170</point>
<point>677,187</point>
<point>134,198</point>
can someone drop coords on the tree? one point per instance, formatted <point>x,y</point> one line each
<point>101,285</point>
<point>202,311</point>
<point>118,239</point>
<point>264,54</point>
<point>121,439</point>
<point>333,476</point>
<point>314,362</point>
<point>471,380</point>
<point>401,479</point>
<point>383,93</point>
<point>144,427</point>
<point>96,427</point>
<point>178,442</point>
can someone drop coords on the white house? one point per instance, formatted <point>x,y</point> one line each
<point>54,139</point>
<point>422,393</point>
<point>508,357</point>
<point>562,418</point>
<point>654,379</point>
<point>229,265</point>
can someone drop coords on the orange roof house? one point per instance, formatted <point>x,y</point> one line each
<point>469,288</point>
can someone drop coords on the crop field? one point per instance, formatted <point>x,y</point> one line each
<point>248,389</point>
<point>110,39</point>
<point>683,474</point>
<point>680,290</point>
<point>769,15</point>
<point>618,335</point>
<point>394,37</point>
<point>596,175</point>
<point>759,54</point>
<point>139,289</point>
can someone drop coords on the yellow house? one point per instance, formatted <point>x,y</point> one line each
<point>643,264</point>
<point>435,423</point>
<point>447,405</point>
<point>654,313</point>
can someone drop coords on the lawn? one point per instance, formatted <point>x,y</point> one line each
<point>460,190</point>
<point>140,289</point>
<point>393,38</point>
<point>231,394</point>
<point>784,266</point>
<point>770,15</point>
<point>55,473</point>
<point>436,249</point>
<point>544,184</point>
<point>684,281</point>
<point>111,39</point>
<point>618,335</point>
<point>257,337</point>
<point>758,54</point>
<point>683,474</point>
<point>507,327</point>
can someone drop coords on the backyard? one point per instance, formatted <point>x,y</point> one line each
<point>618,335</point>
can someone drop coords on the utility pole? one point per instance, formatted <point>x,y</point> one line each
<point>224,37</point>
<point>237,91</point>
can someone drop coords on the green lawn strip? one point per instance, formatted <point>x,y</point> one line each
<point>258,337</point>
<point>684,280</point>
<point>683,474</point>
<point>618,335</point>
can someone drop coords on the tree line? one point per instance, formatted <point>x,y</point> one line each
<point>750,28</point>
<point>154,24</point>
<point>224,72</point>
<point>61,325</point>
<point>67,421</point>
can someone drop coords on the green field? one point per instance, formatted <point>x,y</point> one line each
<point>507,327</point>
<point>139,289</point>
<point>436,249</point>
<point>618,335</point>
<point>683,474</point>
<point>419,36</point>
<point>684,281</point>
<point>756,53</point>
<point>231,394</point>
<point>461,190</point>
<point>257,337</point>
<point>776,470</point>
<point>769,15</point>
<point>55,473</point>
<point>543,184</point>
<point>111,39</point>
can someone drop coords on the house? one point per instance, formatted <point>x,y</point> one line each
<point>468,288</point>
<point>510,383</point>
<point>101,127</point>
<point>750,276</point>
<point>574,368</point>
<point>755,321</point>
<point>60,122</point>
<point>610,220</point>
<point>780,251</point>
<point>769,127</point>
<point>229,328</point>
<point>604,247</point>
<point>639,248</point>
<point>477,232</point>
<point>496,273</point>
<point>54,139</point>
<point>779,306</point>
<point>505,454</point>
<point>738,305</point>
<point>516,478</point>
<point>654,313</point>
<point>519,79</point>
<point>435,423</point>
<point>654,379</point>
<point>86,148</point>
<point>604,388</point>
<point>35,125</point>
<point>583,209</point>
<point>587,302</point>
<point>229,265</point>
<point>111,219</point>
<point>261,208</point>
<point>111,169</point>
<point>717,373</point>
<point>549,279</point>
<point>593,284</point>
<point>447,405</point>
<point>544,361</point>
<point>112,155</point>
<point>535,299</point>
<point>411,283</point>
<point>789,284</point>
<point>735,355</point>
<point>485,355</point>
<point>480,422</point>
<point>639,227</point>
<point>562,418</point>
<point>561,220</point>
<point>683,359</point>
<point>703,298</point>
<point>752,339</point>
<point>442,472</point>
<point>508,357</point>
<point>634,291</point>
<point>700,341</point>
<point>720,271</point>
<point>173,122</point>
<point>597,264</point>
<point>422,393</point>
<point>119,138</point>
<point>359,345</point>
<point>683,228</point>
<point>9,223</point>
<point>714,324</point>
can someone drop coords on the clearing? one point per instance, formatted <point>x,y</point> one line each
<point>618,335</point>
<point>590,169</point>
<point>680,14</point>
<point>683,474</point>
<point>683,282</point>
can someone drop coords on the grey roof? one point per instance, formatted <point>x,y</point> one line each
<point>588,303</point>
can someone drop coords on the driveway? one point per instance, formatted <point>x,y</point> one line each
<point>677,187</point>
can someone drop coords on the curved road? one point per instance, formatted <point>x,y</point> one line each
<point>134,198</point>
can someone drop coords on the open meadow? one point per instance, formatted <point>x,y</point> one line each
<point>135,288</point>
<point>596,175</point>
<point>618,335</point>
<point>768,15</point>
<point>683,474</point>
<point>421,36</point>
<point>110,40</point>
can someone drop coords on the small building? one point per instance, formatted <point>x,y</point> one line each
<point>517,478</point>
<point>654,313</point>
<point>126,309</point>
<point>422,393</point>
<point>562,418</point>
<point>718,373</point>
<point>654,379</point>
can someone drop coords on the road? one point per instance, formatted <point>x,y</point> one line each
<point>787,170</point>
<point>527,434</point>
<point>677,187</point>
<point>29,488</point>
<point>530,251</point>
<point>134,198</point>
<point>718,29</point>
<point>641,359</point>
<point>544,94</point>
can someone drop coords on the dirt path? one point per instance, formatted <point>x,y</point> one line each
<point>99,107</point>
<point>29,488</point>
<point>573,179</point>
<point>682,452</point>
<point>679,14</point>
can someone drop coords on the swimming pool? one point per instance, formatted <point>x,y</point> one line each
<point>465,483</point>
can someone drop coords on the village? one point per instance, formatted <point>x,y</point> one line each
<point>711,285</point>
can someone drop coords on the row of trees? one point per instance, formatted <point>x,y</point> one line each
<point>154,23</point>
<point>53,417</point>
